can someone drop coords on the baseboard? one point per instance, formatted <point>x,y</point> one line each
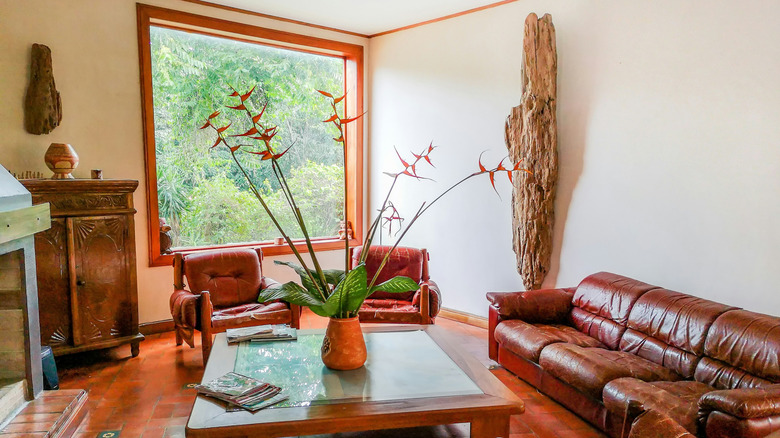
<point>150,328</point>
<point>466,318</point>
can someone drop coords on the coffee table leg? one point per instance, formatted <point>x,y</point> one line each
<point>490,427</point>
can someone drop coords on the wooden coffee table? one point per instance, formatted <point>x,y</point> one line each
<point>415,376</point>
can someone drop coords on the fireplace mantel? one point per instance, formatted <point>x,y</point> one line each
<point>19,221</point>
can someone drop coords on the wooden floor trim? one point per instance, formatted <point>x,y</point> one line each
<point>154,327</point>
<point>465,318</point>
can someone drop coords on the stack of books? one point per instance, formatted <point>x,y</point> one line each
<point>242,391</point>
<point>261,333</point>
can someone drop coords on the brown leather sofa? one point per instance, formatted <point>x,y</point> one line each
<point>612,340</point>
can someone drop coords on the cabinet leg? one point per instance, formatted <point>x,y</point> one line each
<point>135,349</point>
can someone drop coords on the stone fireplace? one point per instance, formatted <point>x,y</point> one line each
<point>21,377</point>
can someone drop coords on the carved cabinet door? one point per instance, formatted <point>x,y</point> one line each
<point>100,284</point>
<point>51,257</point>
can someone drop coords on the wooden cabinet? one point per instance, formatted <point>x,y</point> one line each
<point>87,289</point>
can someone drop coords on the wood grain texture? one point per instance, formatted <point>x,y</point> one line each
<point>489,412</point>
<point>531,135</point>
<point>86,265</point>
<point>15,224</point>
<point>42,104</point>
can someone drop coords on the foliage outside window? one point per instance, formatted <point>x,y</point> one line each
<point>197,190</point>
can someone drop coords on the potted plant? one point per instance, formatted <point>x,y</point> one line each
<point>333,293</point>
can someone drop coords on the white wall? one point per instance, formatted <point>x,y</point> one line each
<point>95,60</point>
<point>669,123</point>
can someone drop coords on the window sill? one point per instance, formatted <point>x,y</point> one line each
<point>269,249</point>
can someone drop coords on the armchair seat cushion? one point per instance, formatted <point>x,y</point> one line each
<point>272,313</point>
<point>590,369</point>
<point>527,340</point>
<point>390,310</point>
<point>678,400</point>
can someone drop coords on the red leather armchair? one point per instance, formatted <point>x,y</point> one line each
<point>223,290</point>
<point>415,307</point>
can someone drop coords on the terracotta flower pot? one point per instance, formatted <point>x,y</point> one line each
<point>344,347</point>
<point>61,159</point>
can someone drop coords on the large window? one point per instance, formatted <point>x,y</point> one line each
<point>189,66</point>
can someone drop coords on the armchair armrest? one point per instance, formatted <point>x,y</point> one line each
<point>541,305</point>
<point>185,311</point>
<point>266,282</point>
<point>743,403</point>
<point>434,297</point>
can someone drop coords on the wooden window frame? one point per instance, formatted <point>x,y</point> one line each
<point>353,68</point>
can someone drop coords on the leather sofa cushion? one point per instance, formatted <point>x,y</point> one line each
<point>609,295</point>
<point>602,303</point>
<point>527,340</point>
<point>679,361</point>
<point>590,369</point>
<point>234,316</point>
<point>676,319</point>
<point>678,400</point>
<point>232,276</point>
<point>747,341</point>
<point>724,376</point>
<point>605,330</point>
<point>403,261</point>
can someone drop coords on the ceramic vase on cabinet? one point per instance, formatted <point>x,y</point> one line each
<point>61,159</point>
<point>343,347</point>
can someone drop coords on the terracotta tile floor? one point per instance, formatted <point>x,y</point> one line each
<point>150,396</point>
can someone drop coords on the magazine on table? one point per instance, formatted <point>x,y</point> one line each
<point>242,391</point>
<point>262,333</point>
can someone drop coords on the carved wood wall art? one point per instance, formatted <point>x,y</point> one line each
<point>531,134</point>
<point>42,105</point>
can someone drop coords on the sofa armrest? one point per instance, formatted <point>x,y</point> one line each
<point>535,306</point>
<point>541,305</point>
<point>743,403</point>
<point>655,424</point>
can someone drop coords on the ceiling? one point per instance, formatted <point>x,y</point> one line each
<point>365,17</point>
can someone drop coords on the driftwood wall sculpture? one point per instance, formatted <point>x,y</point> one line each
<point>531,135</point>
<point>42,106</point>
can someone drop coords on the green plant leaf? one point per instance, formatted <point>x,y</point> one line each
<point>349,293</point>
<point>333,276</point>
<point>291,292</point>
<point>398,284</point>
<point>355,288</point>
<point>305,279</point>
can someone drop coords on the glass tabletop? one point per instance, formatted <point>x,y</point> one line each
<point>400,365</point>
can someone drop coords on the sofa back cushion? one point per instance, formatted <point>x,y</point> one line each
<point>742,350</point>
<point>602,303</point>
<point>232,276</point>
<point>669,328</point>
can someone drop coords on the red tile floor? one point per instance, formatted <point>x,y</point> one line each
<point>150,396</point>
